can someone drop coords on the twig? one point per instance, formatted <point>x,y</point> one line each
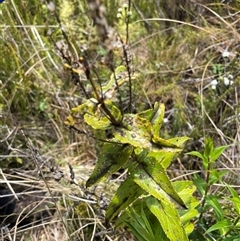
<point>36,158</point>
<point>8,184</point>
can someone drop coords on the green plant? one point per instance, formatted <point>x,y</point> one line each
<point>147,201</point>
<point>133,142</point>
<point>219,208</point>
<point>172,67</point>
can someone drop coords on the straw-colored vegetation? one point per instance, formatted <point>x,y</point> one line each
<point>184,54</point>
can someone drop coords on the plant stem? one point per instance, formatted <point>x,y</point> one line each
<point>207,188</point>
<point>98,97</point>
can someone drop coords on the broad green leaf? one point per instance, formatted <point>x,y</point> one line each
<point>216,176</point>
<point>109,85</point>
<point>185,190</point>
<point>196,153</point>
<point>154,173</point>
<point>236,202</point>
<point>98,120</point>
<point>160,142</point>
<point>238,225</point>
<point>208,147</point>
<point>128,192</point>
<point>138,136</point>
<point>143,124</point>
<point>109,162</point>
<point>189,228</point>
<point>116,113</point>
<point>189,215</point>
<point>147,114</point>
<point>200,183</point>
<point>235,198</point>
<point>171,143</point>
<point>165,156</point>
<point>97,123</point>
<point>169,218</point>
<point>88,106</point>
<point>213,202</point>
<point>178,141</point>
<point>233,191</point>
<point>120,69</point>
<point>216,153</point>
<point>136,139</point>
<point>204,158</point>
<point>223,226</point>
<point>70,121</point>
<point>155,183</point>
<point>157,118</point>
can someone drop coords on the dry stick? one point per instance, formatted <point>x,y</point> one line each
<point>119,93</point>
<point>8,184</point>
<point>20,217</point>
<point>127,60</point>
<point>147,24</point>
<point>97,12</point>
<point>14,131</point>
<point>112,68</point>
<point>127,22</point>
<point>74,53</point>
<point>99,81</point>
<point>74,72</point>
<point>35,158</point>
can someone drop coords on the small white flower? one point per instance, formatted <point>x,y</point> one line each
<point>129,13</point>
<point>165,120</point>
<point>214,87</point>
<point>120,10</point>
<point>225,54</point>
<point>214,84</point>
<point>125,5</point>
<point>230,76</point>
<point>119,15</point>
<point>226,81</point>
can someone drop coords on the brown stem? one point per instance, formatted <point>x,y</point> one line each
<point>98,97</point>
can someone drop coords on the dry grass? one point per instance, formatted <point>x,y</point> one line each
<point>37,95</point>
<point>58,209</point>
